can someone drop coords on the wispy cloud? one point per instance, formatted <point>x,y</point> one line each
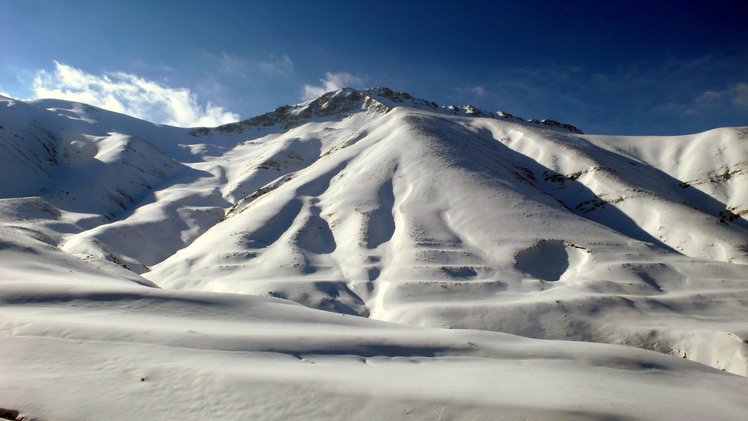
<point>246,67</point>
<point>468,93</point>
<point>130,94</point>
<point>331,82</point>
<point>670,97</point>
<point>733,99</point>
<point>734,96</point>
<point>478,90</point>
<point>277,64</point>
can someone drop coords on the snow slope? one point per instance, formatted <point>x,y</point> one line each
<point>160,266</point>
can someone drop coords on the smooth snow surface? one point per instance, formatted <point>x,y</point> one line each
<point>368,255</point>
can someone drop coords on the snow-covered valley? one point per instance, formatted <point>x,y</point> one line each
<point>368,255</point>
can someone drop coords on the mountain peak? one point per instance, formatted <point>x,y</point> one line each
<point>347,101</point>
<point>455,237</point>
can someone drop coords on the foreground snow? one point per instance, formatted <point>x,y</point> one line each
<point>136,354</point>
<point>368,255</point>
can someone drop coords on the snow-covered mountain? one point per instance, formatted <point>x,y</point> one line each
<point>427,234</point>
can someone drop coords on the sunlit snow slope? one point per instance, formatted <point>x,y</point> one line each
<point>376,204</point>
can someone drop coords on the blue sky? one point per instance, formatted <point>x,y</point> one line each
<point>634,67</point>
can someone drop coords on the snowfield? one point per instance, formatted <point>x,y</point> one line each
<point>368,255</point>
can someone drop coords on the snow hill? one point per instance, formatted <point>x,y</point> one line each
<point>368,255</point>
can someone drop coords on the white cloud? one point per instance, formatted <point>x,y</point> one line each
<point>332,82</point>
<point>132,95</point>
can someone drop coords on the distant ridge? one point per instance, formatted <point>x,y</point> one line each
<point>344,102</point>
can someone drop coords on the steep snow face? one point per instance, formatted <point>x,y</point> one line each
<point>28,151</point>
<point>424,218</point>
<point>374,203</point>
<point>442,184</point>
